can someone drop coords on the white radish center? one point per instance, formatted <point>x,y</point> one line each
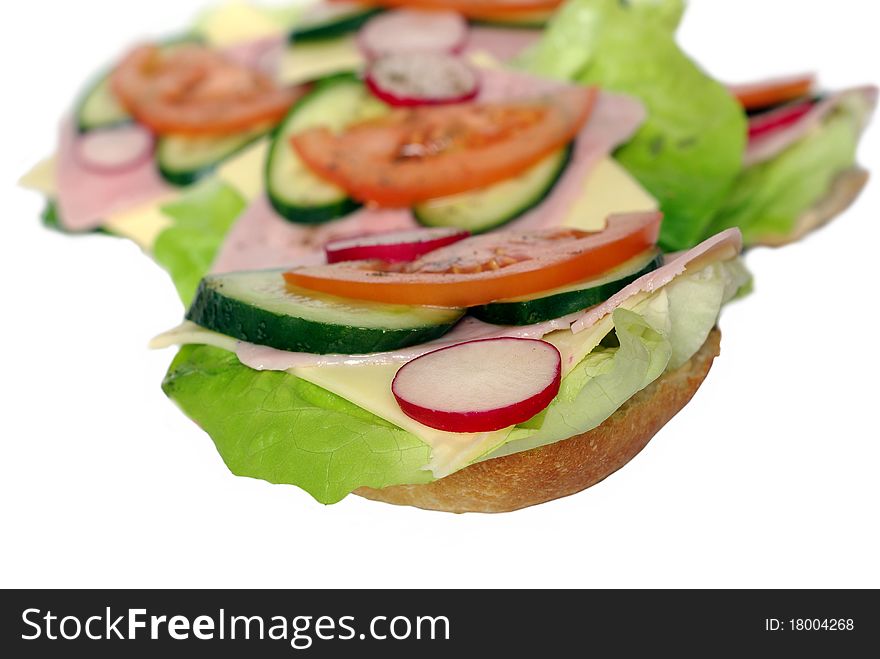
<point>414,31</point>
<point>115,149</point>
<point>429,76</point>
<point>479,376</point>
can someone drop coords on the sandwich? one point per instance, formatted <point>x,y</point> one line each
<point>208,198</point>
<point>762,163</point>
<point>452,372</point>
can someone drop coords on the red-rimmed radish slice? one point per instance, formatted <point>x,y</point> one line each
<point>392,246</point>
<point>413,31</point>
<point>769,122</point>
<point>422,79</point>
<point>115,150</point>
<point>479,386</point>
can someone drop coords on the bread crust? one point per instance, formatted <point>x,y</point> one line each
<point>557,470</point>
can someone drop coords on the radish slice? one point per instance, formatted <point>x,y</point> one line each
<point>115,150</point>
<point>479,386</point>
<point>769,122</point>
<point>392,246</point>
<point>413,31</point>
<point>422,79</point>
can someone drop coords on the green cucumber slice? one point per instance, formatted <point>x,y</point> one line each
<point>261,308</point>
<point>483,210</point>
<point>99,108</point>
<point>294,191</point>
<point>529,21</point>
<point>568,299</point>
<point>333,24</point>
<point>184,160</point>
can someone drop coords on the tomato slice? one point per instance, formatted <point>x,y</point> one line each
<point>490,267</point>
<point>415,154</point>
<point>756,95</point>
<point>194,90</point>
<point>473,8</point>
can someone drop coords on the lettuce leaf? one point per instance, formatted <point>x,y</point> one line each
<point>280,428</point>
<point>665,13</point>
<point>768,198</point>
<point>202,218</point>
<point>277,427</point>
<point>689,150</point>
<point>600,384</point>
<point>660,334</point>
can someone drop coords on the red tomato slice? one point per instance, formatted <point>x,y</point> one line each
<point>490,267</point>
<point>416,154</point>
<point>473,8</point>
<point>753,96</point>
<point>193,90</point>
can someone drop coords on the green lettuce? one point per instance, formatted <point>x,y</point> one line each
<point>665,13</point>
<point>202,218</point>
<point>660,334</point>
<point>689,150</point>
<point>601,383</point>
<point>768,198</point>
<point>280,428</point>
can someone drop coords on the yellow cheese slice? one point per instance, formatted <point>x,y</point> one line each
<point>309,61</point>
<point>609,189</point>
<point>141,224</point>
<point>41,177</point>
<point>236,22</point>
<point>244,171</point>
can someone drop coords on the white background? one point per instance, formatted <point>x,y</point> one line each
<point>768,478</point>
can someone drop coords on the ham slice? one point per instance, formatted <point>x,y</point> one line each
<point>261,238</point>
<point>86,197</point>
<point>773,143</point>
<point>723,246</point>
<point>501,43</point>
<point>261,54</point>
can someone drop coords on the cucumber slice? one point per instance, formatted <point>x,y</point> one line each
<point>294,191</point>
<point>533,20</point>
<point>261,308</point>
<point>184,160</point>
<point>569,299</point>
<point>483,210</point>
<point>99,108</point>
<point>332,22</point>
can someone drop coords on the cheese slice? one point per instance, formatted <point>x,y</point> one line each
<point>41,177</point>
<point>244,171</point>
<point>609,189</point>
<point>141,224</point>
<point>304,62</point>
<point>237,22</point>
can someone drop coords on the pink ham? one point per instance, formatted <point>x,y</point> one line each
<point>262,239</point>
<point>262,54</point>
<point>726,244</point>
<point>501,43</point>
<point>86,197</point>
<point>722,246</point>
<point>771,144</point>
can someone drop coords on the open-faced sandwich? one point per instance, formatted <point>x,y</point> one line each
<point>484,373</point>
<point>205,192</point>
